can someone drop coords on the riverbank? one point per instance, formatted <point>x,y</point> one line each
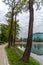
<point>14,55</point>
<point>39,58</point>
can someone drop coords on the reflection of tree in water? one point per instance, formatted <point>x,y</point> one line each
<point>38,46</point>
<point>37,49</point>
<point>34,46</point>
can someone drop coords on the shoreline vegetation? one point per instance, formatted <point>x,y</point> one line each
<point>37,37</point>
<point>14,55</point>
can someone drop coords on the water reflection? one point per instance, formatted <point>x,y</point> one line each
<point>37,49</point>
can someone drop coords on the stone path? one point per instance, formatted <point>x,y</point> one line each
<point>3,56</point>
<point>39,58</point>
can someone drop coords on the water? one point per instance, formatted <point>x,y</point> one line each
<point>37,49</point>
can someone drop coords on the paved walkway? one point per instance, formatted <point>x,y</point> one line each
<point>3,56</point>
<point>39,58</point>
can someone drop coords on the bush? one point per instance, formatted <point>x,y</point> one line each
<point>2,42</point>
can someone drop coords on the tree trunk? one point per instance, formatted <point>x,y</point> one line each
<point>15,31</point>
<point>11,26</point>
<point>27,52</point>
<point>9,38</point>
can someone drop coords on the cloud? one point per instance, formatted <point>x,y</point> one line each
<point>3,11</point>
<point>38,21</point>
<point>24,22</point>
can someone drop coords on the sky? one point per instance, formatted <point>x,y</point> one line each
<point>24,20</point>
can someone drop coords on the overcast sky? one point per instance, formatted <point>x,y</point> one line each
<point>24,19</point>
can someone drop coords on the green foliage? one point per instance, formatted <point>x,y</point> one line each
<point>4,33</point>
<point>19,40</point>
<point>14,58</point>
<point>16,5</point>
<point>1,42</point>
<point>17,29</point>
<point>37,39</point>
<point>14,8</point>
<point>24,1</point>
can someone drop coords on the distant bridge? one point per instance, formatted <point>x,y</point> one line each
<point>32,42</point>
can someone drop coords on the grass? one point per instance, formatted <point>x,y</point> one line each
<point>21,52</point>
<point>14,58</point>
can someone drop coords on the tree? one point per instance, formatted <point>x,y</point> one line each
<point>11,5</point>
<point>16,29</point>
<point>4,33</point>
<point>15,24</point>
<point>15,7</point>
<point>17,10</point>
<point>27,52</point>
